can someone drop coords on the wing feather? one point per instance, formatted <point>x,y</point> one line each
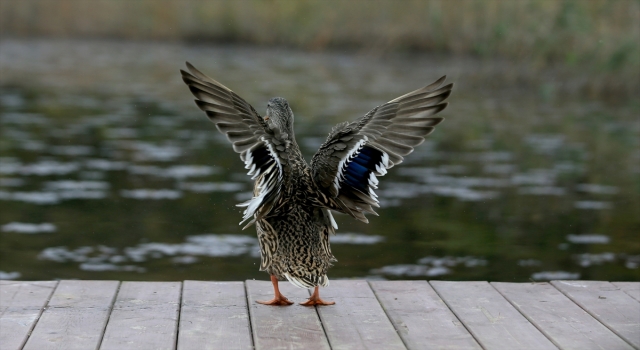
<point>346,166</point>
<point>249,135</point>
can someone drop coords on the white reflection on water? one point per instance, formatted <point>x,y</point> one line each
<point>430,266</point>
<point>468,261</point>
<point>42,168</point>
<point>540,177</point>
<point>21,227</point>
<point>588,239</point>
<point>149,152</point>
<point>204,187</point>
<point>592,205</point>
<point>71,189</point>
<point>412,190</point>
<point>40,198</point>
<point>144,193</point>
<point>176,171</point>
<point>110,267</point>
<point>355,238</point>
<point>529,262</point>
<point>76,185</point>
<point>555,275</point>
<point>103,258</point>
<point>587,259</point>
<point>631,261</point>
<point>211,245</point>
<point>412,270</point>
<point>545,143</point>
<point>542,191</point>
<point>9,275</point>
<point>10,100</point>
<point>597,189</point>
<point>105,165</point>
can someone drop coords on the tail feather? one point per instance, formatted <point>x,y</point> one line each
<point>307,282</point>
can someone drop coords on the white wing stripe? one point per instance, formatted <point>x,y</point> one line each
<point>334,224</point>
<point>268,183</point>
<point>341,166</point>
<point>373,180</point>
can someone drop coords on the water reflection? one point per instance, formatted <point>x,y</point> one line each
<point>105,258</point>
<point>120,173</point>
<point>430,266</point>
<point>21,227</point>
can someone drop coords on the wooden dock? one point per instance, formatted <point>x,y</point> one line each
<point>200,315</point>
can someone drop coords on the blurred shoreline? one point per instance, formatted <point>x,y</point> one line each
<point>593,39</point>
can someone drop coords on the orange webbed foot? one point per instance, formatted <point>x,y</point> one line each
<point>278,299</point>
<point>314,302</point>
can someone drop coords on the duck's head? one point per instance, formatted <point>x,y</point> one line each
<point>279,115</point>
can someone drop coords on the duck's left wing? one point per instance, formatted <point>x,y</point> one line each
<point>346,165</point>
<point>260,149</point>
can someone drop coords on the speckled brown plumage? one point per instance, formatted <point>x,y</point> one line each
<point>292,201</point>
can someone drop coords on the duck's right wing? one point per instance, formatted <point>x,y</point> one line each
<point>346,165</point>
<point>260,150</point>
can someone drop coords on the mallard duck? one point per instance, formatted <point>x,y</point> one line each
<point>292,201</point>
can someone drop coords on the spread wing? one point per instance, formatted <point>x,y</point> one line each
<point>346,165</point>
<point>259,148</point>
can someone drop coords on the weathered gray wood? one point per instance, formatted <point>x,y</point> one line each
<point>631,288</point>
<point>283,327</point>
<point>608,304</point>
<point>490,318</point>
<point>21,304</point>
<point>144,316</point>
<point>75,316</point>
<point>421,318</point>
<point>356,321</point>
<point>562,321</point>
<point>214,315</point>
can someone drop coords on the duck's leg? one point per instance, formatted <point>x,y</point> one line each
<point>279,299</point>
<point>315,300</point>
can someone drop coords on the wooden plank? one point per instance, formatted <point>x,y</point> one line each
<point>608,304</point>
<point>283,327</point>
<point>75,316</point>
<point>557,317</point>
<point>144,316</point>
<point>214,315</point>
<point>356,321</point>
<point>490,318</point>
<point>421,318</point>
<point>21,304</point>
<point>631,288</point>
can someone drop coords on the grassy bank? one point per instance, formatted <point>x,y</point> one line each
<point>596,37</point>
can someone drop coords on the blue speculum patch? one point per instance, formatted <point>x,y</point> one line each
<point>359,169</point>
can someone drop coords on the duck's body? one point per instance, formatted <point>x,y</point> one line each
<point>294,236</point>
<point>292,201</point>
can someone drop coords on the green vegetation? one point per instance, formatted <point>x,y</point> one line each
<point>597,37</point>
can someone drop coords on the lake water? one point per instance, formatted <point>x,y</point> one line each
<point>109,171</point>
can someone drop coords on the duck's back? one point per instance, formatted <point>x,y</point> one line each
<point>294,236</point>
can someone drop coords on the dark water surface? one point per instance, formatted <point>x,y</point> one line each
<point>109,171</point>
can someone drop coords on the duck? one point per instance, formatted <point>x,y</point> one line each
<point>292,202</point>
